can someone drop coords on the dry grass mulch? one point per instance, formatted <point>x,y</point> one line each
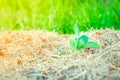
<point>34,55</point>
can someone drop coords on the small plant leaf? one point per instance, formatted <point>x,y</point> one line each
<point>73,43</point>
<point>80,44</point>
<point>63,52</point>
<point>76,30</point>
<point>85,38</point>
<point>92,45</point>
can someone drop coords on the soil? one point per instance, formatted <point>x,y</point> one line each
<point>35,55</point>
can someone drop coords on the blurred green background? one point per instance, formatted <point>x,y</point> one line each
<point>59,15</point>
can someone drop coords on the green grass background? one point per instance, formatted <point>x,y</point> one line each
<point>59,15</point>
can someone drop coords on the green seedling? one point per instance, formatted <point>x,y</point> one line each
<point>80,42</point>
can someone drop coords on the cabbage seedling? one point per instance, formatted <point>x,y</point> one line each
<point>80,42</point>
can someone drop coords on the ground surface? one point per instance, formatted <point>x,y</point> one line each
<point>34,55</point>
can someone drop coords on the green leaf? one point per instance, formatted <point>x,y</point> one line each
<point>92,45</point>
<point>76,29</point>
<point>80,44</point>
<point>85,38</point>
<point>63,52</point>
<point>73,43</point>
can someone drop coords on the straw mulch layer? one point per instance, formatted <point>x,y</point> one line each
<point>34,55</point>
